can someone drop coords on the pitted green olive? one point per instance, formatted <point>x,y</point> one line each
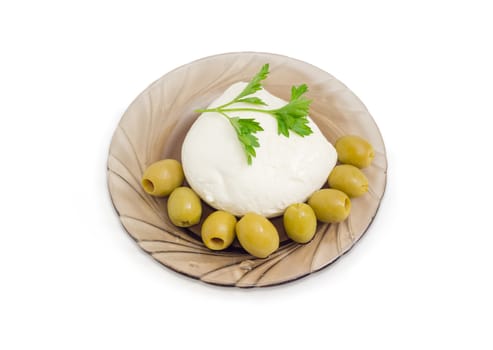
<point>348,179</point>
<point>354,150</point>
<point>184,207</point>
<point>218,230</point>
<point>300,222</point>
<point>162,177</point>
<point>330,205</point>
<point>257,235</point>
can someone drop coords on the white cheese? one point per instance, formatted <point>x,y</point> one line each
<point>285,170</point>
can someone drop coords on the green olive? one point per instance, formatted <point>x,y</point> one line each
<point>257,235</point>
<point>330,205</point>
<point>218,230</point>
<point>300,222</point>
<point>162,177</point>
<point>184,207</point>
<point>354,150</point>
<point>348,179</point>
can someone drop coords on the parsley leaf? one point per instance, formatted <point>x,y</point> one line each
<point>255,84</point>
<point>245,129</point>
<point>296,92</point>
<point>293,116</point>
<point>252,100</point>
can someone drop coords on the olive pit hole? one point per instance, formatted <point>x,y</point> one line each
<point>148,185</point>
<point>217,242</point>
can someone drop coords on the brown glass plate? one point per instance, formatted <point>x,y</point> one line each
<point>153,128</point>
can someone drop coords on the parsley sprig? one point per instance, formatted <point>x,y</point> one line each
<point>290,117</point>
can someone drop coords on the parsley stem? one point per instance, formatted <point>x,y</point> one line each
<point>223,110</point>
<point>226,104</point>
<point>224,114</point>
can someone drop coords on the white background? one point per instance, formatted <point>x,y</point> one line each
<point>71,278</point>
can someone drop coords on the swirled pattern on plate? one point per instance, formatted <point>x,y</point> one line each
<point>153,128</point>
